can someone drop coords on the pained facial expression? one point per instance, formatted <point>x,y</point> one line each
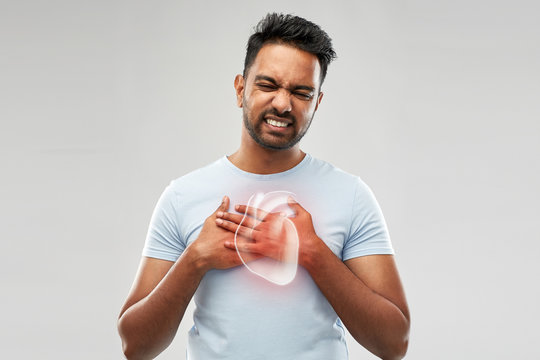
<point>279,95</point>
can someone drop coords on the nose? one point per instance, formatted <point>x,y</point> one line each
<point>282,101</point>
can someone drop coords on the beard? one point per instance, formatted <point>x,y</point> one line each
<point>275,141</point>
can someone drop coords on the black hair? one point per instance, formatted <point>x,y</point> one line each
<point>293,31</point>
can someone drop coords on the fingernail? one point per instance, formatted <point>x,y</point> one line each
<point>291,200</point>
<point>219,221</point>
<point>237,207</point>
<point>219,214</point>
<point>224,198</point>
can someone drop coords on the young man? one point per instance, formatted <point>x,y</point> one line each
<point>346,273</point>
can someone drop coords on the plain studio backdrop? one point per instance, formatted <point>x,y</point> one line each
<point>434,104</point>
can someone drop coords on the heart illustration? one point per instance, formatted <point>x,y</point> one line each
<point>272,230</point>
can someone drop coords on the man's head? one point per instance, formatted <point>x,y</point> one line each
<point>293,31</point>
<point>285,64</point>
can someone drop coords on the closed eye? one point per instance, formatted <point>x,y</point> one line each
<point>303,96</point>
<point>267,87</point>
<point>299,92</point>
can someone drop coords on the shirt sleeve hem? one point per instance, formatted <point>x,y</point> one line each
<point>160,255</point>
<point>366,252</point>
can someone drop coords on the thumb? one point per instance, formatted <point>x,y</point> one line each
<point>224,206</point>
<point>294,205</point>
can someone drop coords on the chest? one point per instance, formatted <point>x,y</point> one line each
<point>331,214</point>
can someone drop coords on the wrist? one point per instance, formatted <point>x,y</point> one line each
<point>196,259</point>
<point>308,253</point>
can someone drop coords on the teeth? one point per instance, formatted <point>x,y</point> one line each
<point>276,123</point>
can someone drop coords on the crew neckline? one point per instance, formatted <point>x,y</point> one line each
<point>244,173</point>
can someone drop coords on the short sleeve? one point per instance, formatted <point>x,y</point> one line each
<point>163,240</point>
<point>368,234</point>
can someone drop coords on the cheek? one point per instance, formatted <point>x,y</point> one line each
<point>307,111</point>
<point>256,104</point>
<point>312,106</point>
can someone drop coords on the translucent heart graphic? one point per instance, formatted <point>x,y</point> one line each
<point>271,230</point>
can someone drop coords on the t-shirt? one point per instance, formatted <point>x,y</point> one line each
<point>240,315</point>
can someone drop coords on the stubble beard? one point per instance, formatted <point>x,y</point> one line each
<point>255,131</point>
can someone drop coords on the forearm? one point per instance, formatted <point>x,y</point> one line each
<point>374,321</point>
<point>149,326</point>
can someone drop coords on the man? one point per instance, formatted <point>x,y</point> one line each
<point>346,273</point>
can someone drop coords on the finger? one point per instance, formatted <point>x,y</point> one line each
<point>246,256</point>
<point>224,206</point>
<point>238,219</point>
<point>233,246</point>
<point>244,247</point>
<point>251,211</point>
<point>227,225</point>
<point>237,229</point>
<point>248,233</point>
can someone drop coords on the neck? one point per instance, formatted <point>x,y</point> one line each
<point>253,158</point>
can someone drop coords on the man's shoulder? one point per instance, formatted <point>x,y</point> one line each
<point>195,177</point>
<point>326,170</point>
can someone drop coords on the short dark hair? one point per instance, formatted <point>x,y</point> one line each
<point>294,31</point>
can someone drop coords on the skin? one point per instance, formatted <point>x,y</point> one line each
<point>162,290</point>
<point>283,83</point>
<point>291,71</point>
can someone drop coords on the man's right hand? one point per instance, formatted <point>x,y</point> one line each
<point>209,248</point>
<point>162,289</point>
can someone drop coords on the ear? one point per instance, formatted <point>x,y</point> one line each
<point>319,98</point>
<point>239,87</point>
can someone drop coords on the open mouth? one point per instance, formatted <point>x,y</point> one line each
<point>276,123</point>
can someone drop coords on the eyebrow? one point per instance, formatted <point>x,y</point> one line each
<point>273,81</point>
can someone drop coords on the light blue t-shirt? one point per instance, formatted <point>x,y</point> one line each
<point>240,315</point>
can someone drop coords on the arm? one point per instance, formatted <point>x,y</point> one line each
<point>367,295</point>
<point>365,292</point>
<point>156,304</point>
<point>162,290</point>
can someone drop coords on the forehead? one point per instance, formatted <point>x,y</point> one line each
<point>287,65</point>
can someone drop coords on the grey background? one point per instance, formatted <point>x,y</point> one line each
<point>433,103</point>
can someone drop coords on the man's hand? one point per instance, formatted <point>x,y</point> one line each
<point>210,245</point>
<point>163,289</point>
<point>365,292</point>
<point>266,233</point>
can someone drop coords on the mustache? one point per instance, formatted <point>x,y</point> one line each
<point>276,114</point>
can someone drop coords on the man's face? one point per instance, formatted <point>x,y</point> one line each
<point>279,95</point>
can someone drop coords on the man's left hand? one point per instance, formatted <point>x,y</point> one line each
<point>266,233</point>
